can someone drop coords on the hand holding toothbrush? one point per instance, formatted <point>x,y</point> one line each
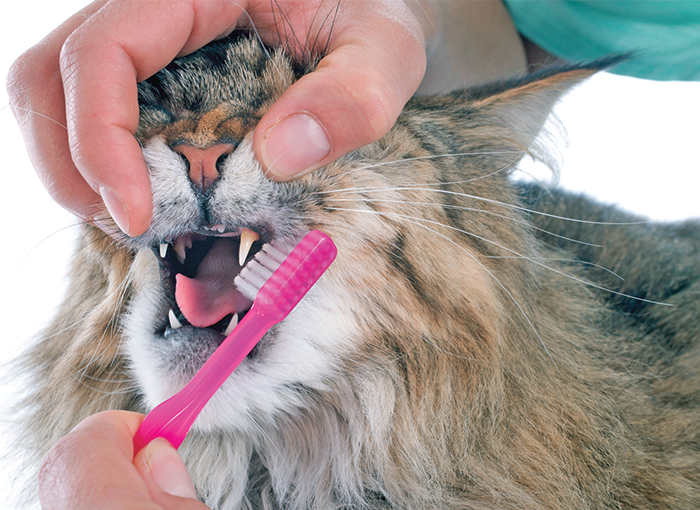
<point>94,467</point>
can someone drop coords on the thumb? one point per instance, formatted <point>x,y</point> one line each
<point>352,99</point>
<point>164,472</point>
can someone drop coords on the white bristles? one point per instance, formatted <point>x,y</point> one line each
<point>264,264</point>
<point>276,254</point>
<point>254,279</point>
<point>245,288</point>
<point>262,269</point>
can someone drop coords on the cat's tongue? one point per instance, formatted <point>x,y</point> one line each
<point>211,295</point>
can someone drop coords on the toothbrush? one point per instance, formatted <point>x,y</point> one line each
<point>275,282</point>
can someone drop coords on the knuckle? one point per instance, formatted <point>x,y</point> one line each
<point>378,103</point>
<point>26,74</point>
<point>70,51</point>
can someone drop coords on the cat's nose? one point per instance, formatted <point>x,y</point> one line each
<point>203,170</point>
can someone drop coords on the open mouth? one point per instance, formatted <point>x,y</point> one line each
<point>197,271</point>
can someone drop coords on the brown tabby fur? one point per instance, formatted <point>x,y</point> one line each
<point>477,378</point>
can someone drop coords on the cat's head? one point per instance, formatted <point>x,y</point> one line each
<point>418,218</point>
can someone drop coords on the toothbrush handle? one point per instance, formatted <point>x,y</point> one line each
<point>276,298</point>
<point>173,418</point>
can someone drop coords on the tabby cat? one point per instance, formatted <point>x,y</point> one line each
<point>463,351</point>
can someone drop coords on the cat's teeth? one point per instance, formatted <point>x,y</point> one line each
<point>163,250</point>
<point>181,245</point>
<point>219,228</point>
<point>174,323</point>
<point>231,325</point>
<point>248,237</point>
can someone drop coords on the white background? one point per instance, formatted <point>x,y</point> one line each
<point>632,142</point>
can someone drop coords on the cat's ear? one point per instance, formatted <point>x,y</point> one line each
<point>520,107</point>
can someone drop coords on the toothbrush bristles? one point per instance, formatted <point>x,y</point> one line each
<point>260,269</point>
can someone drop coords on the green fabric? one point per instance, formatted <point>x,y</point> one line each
<point>664,36</point>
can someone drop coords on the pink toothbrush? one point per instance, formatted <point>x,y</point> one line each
<point>275,282</point>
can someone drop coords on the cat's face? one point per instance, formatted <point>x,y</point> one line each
<point>417,247</point>
<point>195,236</point>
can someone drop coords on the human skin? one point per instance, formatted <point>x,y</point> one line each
<point>93,466</point>
<point>84,74</point>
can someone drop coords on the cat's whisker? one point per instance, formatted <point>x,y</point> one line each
<point>471,209</point>
<point>417,221</point>
<point>45,239</point>
<point>444,351</point>
<point>508,293</point>
<point>33,112</point>
<point>525,257</point>
<point>488,200</point>
<point>109,381</point>
<point>119,391</point>
<point>556,259</point>
<point>120,290</point>
<point>262,43</point>
<point>107,394</point>
<point>437,156</point>
<point>96,354</point>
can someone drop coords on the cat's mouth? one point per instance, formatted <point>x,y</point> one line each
<point>197,271</point>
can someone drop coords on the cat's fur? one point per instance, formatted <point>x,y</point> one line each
<point>452,357</point>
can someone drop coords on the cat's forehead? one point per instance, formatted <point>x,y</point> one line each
<point>217,92</point>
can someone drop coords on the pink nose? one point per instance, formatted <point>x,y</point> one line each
<point>203,171</point>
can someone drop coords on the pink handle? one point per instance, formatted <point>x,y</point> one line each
<point>173,418</point>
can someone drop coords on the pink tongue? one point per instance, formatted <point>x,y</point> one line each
<point>210,296</point>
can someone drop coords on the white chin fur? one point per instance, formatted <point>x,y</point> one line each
<point>303,350</point>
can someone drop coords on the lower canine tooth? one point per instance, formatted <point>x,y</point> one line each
<point>174,323</point>
<point>248,237</point>
<point>231,325</point>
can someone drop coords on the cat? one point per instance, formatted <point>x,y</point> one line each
<point>463,351</point>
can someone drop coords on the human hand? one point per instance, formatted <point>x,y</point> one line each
<point>83,76</point>
<point>74,94</point>
<point>92,467</point>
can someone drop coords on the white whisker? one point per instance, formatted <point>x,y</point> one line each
<point>515,302</point>
<point>436,156</point>
<point>573,261</point>
<point>28,110</point>
<point>121,288</point>
<point>262,44</point>
<point>472,209</point>
<point>590,284</point>
<point>491,201</point>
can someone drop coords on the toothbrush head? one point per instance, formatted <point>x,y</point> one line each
<point>283,271</point>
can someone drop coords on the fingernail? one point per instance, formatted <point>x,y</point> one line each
<point>116,209</point>
<point>294,145</point>
<point>168,470</point>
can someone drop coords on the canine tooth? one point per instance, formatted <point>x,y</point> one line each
<point>248,237</point>
<point>231,325</point>
<point>180,250</point>
<point>163,250</point>
<point>174,323</point>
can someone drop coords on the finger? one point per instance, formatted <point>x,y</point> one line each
<point>36,98</point>
<point>91,467</point>
<point>353,97</point>
<point>166,476</point>
<point>101,61</point>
